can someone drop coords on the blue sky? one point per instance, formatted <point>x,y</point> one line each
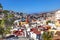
<point>31,6</point>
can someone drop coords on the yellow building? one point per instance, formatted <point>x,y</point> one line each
<point>25,22</point>
<point>54,17</point>
<point>57,23</point>
<point>22,23</point>
<point>57,18</point>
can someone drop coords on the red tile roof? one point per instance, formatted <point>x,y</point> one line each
<point>35,30</point>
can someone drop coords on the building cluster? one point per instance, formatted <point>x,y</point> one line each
<point>34,25</point>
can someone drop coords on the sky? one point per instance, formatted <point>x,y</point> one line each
<point>30,6</point>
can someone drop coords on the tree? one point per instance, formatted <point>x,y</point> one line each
<point>2,27</point>
<point>21,14</point>
<point>8,18</point>
<point>6,22</point>
<point>47,35</point>
<point>1,31</point>
<point>2,23</point>
<point>1,6</point>
<point>5,12</point>
<point>7,31</point>
<point>49,21</point>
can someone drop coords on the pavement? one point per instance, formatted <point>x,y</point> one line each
<point>23,38</point>
<point>20,38</point>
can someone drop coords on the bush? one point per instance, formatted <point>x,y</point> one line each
<point>47,35</point>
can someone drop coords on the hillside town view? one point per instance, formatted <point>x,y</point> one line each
<point>23,26</point>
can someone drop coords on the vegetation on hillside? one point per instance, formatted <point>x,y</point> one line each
<point>6,22</point>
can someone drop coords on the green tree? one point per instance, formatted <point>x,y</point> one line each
<point>2,27</point>
<point>1,5</point>
<point>47,35</point>
<point>2,23</point>
<point>1,8</point>
<point>5,12</point>
<point>7,31</point>
<point>49,21</point>
<point>1,31</point>
<point>8,18</point>
<point>21,14</point>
